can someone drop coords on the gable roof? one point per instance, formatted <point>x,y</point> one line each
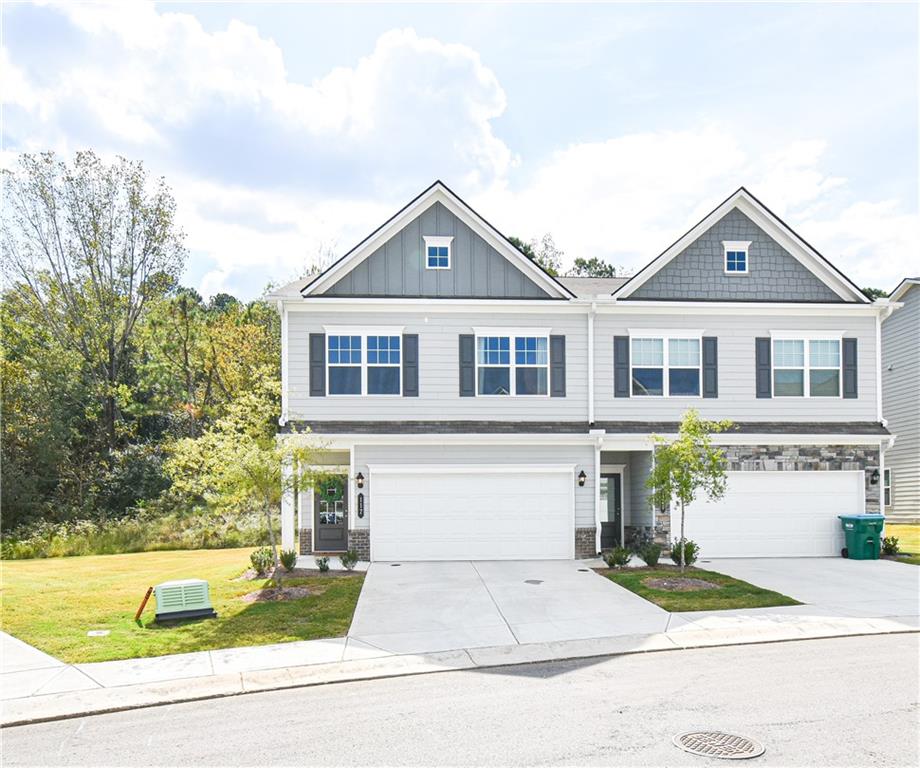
<point>903,287</point>
<point>438,192</point>
<point>775,227</point>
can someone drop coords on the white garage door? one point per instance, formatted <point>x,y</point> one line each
<point>471,513</point>
<point>776,514</point>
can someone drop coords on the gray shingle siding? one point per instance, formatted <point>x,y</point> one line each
<point>699,271</point>
<point>397,268</point>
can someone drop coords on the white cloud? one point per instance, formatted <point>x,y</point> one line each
<point>269,171</point>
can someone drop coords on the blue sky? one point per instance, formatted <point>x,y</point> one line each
<point>288,131</point>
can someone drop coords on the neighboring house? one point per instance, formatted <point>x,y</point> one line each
<point>901,403</point>
<point>481,409</point>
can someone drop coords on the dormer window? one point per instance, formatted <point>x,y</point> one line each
<point>437,252</point>
<point>736,256</point>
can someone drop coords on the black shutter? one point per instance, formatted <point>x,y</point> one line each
<point>317,364</point>
<point>621,366</point>
<point>850,369</point>
<point>410,364</point>
<point>557,366</point>
<point>763,384</point>
<point>710,366</point>
<point>467,365</point>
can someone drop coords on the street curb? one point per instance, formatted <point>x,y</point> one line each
<point>65,706</point>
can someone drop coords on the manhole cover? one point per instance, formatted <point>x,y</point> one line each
<point>718,744</point>
<point>533,581</point>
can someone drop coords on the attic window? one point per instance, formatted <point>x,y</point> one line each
<point>437,252</point>
<point>737,260</point>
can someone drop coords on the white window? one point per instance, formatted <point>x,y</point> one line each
<point>737,256</point>
<point>359,362</point>
<point>516,365</point>
<point>806,367</point>
<point>665,366</point>
<point>437,252</point>
<point>886,488</point>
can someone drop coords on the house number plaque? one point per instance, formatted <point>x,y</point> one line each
<point>360,505</point>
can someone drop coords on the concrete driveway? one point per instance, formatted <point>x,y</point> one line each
<point>867,588</point>
<point>427,607</point>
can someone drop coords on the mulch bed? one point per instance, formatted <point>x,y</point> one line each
<point>680,584</point>
<point>298,573</point>
<point>274,595</point>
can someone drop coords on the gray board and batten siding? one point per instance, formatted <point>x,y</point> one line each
<point>398,269</point>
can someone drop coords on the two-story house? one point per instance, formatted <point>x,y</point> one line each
<point>478,408</point>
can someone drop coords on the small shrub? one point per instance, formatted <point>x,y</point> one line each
<point>349,559</point>
<point>691,551</point>
<point>323,564</point>
<point>617,557</point>
<point>288,558</point>
<point>650,553</point>
<point>890,545</point>
<point>261,560</point>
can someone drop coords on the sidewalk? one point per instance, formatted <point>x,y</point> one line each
<point>36,687</point>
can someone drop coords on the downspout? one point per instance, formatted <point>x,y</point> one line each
<point>282,310</point>
<point>591,312</point>
<point>886,310</point>
<point>597,492</point>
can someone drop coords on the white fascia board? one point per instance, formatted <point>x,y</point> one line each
<point>902,288</point>
<point>326,304</point>
<point>784,236</point>
<point>348,441</point>
<point>436,194</point>
<point>466,469</point>
<point>786,309</point>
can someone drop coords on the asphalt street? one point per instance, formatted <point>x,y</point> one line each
<point>847,701</point>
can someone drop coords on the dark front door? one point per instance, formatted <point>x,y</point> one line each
<point>612,509</point>
<point>330,516</point>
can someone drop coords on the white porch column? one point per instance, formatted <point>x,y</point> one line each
<point>287,508</point>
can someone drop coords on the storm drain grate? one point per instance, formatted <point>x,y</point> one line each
<point>718,744</point>
<point>533,581</point>
<point>395,565</point>
<point>584,570</point>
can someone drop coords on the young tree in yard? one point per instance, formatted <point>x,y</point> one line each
<point>686,466</point>
<point>239,462</point>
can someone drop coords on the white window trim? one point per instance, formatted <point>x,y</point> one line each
<point>736,245</point>
<point>511,334</point>
<point>635,333</point>
<point>363,333</point>
<point>438,241</point>
<point>806,338</point>
<point>887,488</point>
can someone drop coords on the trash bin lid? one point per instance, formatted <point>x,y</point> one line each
<point>861,517</point>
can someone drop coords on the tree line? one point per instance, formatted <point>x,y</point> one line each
<point>108,362</point>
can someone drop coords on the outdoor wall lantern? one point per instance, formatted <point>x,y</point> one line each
<point>581,479</point>
<point>873,478</point>
<point>359,480</point>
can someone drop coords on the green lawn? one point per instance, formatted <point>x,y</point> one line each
<point>912,559</point>
<point>731,594</point>
<point>52,603</point>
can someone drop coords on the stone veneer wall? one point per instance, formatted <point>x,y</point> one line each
<point>306,541</point>
<point>794,458</point>
<point>585,542</point>
<point>359,539</point>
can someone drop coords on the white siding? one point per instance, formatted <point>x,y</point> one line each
<point>581,456</point>
<point>901,403</point>
<point>736,400</point>
<point>438,342</point>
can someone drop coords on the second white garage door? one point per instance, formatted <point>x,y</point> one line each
<point>775,514</point>
<point>472,512</point>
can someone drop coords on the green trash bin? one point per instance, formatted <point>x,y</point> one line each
<point>863,536</point>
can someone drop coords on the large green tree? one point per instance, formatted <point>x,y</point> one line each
<point>89,245</point>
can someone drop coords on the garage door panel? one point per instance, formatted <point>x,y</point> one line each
<point>463,515</point>
<point>776,514</point>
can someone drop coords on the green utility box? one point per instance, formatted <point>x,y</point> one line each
<point>863,536</point>
<point>183,599</point>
